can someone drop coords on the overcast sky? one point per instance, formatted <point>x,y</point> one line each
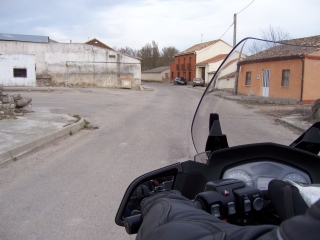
<point>178,23</point>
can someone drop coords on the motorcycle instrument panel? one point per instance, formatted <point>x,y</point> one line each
<point>259,174</point>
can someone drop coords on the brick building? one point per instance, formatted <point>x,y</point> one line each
<point>200,60</point>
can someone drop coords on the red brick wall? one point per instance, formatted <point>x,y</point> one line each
<point>186,67</point>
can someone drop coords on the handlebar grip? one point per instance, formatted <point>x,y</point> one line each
<point>199,204</point>
<point>133,223</point>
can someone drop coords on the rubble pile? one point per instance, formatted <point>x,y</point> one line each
<point>12,105</point>
<point>316,109</point>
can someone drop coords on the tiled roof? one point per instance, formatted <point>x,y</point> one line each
<point>157,70</point>
<point>229,63</point>
<point>286,51</point>
<point>214,59</point>
<point>23,38</point>
<point>96,42</point>
<point>229,75</point>
<point>197,47</point>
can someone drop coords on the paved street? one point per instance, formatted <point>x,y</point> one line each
<point>72,189</point>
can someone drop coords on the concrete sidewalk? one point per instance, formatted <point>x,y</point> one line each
<point>254,99</point>
<point>294,120</point>
<point>33,130</point>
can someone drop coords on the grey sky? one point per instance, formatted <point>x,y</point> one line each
<point>177,23</point>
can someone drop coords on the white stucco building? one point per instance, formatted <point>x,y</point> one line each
<point>200,60</point>
<point>160,74</point>
<point>227,75</point>
<point>71,64</point>
<point>17,70</point>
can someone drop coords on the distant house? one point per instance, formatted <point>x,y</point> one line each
<point>283,71</point>
<point>200,60</point>
<point>160,74</point>
<point>64,64</point>
<point>227,75</point>
<point>97,43</point>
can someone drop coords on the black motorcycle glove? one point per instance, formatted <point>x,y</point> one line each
<point>172,216</point>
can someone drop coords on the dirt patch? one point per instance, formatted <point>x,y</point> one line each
<point>279,111</point>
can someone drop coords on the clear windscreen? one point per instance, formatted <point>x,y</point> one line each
<point>260,70</point>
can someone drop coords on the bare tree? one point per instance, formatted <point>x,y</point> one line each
<point>274,34</point>
<point>151,56</point>
<point>128,51</point>
<point>256,47</point>
<point>167,55</point>
<point>146,54</point>
<point>271,34</point>
<point>155,55</point>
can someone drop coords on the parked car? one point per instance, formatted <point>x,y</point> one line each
<point>198,82</point>
<point>180,81</point>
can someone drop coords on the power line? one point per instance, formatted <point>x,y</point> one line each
<point>232,22</point>
<point>246,7</point>
<point>226,31</point>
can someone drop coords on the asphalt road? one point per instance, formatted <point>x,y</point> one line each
<point>72,189</point>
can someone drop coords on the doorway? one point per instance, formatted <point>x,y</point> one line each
<point>203,73</point>
<point>265,82</point>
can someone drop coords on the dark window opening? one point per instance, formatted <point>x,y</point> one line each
<point>285,78</point>
<point>112,56</point>
<point>20,72</point>
<point>248,78</point>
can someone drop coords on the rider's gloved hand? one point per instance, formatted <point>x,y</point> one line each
<point>171,216</point>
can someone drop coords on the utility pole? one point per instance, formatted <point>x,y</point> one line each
<point>234,29</point>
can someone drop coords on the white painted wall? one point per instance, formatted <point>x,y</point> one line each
<point>10,61</point>
<point>155,76</point>
<point>77,64</point>
<point>228,83</point>
<point>213,50</point>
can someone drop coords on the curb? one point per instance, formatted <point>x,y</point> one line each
<point>297,126</point>
<point>35,89</point>
<point>28,147</point>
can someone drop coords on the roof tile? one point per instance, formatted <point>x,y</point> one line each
<point>286,51</point>
<point>198,47</point>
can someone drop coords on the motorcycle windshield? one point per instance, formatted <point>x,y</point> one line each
<point>258,72</point>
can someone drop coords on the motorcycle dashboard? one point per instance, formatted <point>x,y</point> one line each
<point>259,174</point>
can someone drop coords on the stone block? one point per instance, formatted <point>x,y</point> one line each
<point>16,96</point>
<point>23,102</point>
<point>4,99</point>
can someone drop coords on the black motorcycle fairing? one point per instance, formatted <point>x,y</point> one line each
<point>190,177</point>
<point>165,171</point>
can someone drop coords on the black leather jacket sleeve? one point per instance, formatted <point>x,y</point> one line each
<point>171,216</point>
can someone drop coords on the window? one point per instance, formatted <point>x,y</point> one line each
<point>167,75</point>
<point>20,72</point>
<point>248,78</point>
<point>112,56</point>
<point>285,78</point>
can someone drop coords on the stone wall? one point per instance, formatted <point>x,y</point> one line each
<point>12,105</point>
<point>77,64</point>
